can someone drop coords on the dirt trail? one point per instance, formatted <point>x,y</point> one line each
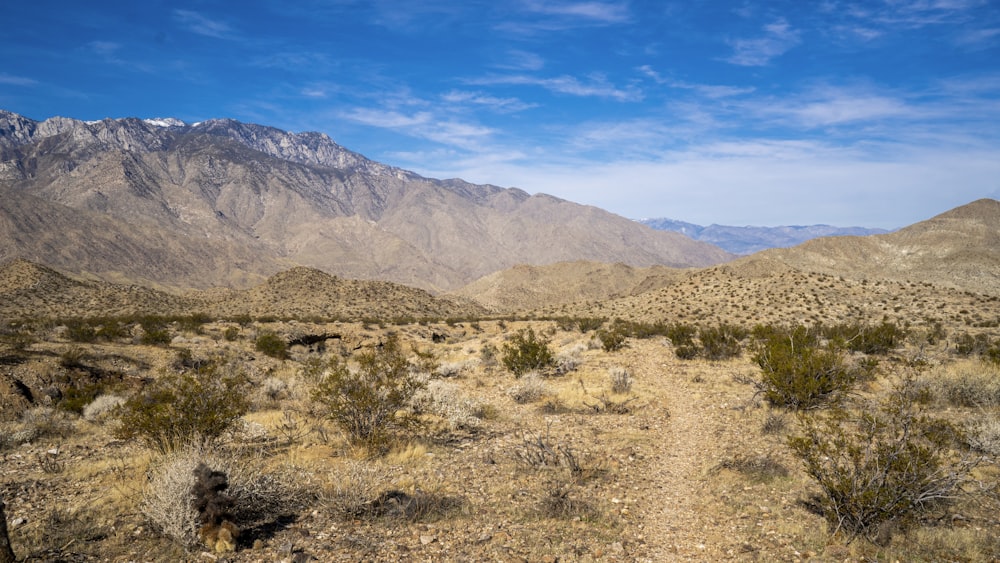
<point>688,426</point>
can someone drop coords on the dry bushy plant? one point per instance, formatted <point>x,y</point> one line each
<point>445,399</point>
<point>969,383</point>
<point>260,495</point>
<point>355,485</point>
<point>42,422</point>
<point>621,380</point>
<point>983,434</point>
<point>530,388</point>
<point>569,360</point>
<point>101,407</point>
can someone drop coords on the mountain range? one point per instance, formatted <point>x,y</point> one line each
<point>750,239</point>
<point>221,203</point>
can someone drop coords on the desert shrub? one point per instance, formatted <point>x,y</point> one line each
<point>526,352</point>
<point>179,408</point>
<point>686,352</point>
<point>260,495</point>
<point>587,324</point>
<point>569,360</point>
<point>270,344</point>
<point>867,339</point>
<point>967,345</point>
<point>366,402</point>
<point>354,486</point>
<point>79,330</point>
<point>445,399</point>
<point>882,467</point>
<point>760,468</point>
<point>796,373</point>
<point>231,333</point>
<point>983,434</point>
<point>530,388</point>
<point>721,342</point>
<point>488,355</point>
<point>612,339</point>
<point>968,383</point>
<point>155,336</point>
<point>43,422</point>
<point>621,380</point>
<point>274,388</point>
<point>102,406</point>
<point>681,334</point>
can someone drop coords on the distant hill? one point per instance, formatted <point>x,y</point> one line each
<point>747,240</point>
<point>945,269</point>
<point>31,291</point>
<point>182,206</point>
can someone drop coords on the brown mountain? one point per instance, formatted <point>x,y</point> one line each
<point>945,269</point>
<point>959,248</point>
<point>223,203</point>
<point>31,291</point>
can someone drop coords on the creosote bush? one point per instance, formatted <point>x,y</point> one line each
<point>526,352</point>
<point>882,467</point>
<point>367,403</point>
<point>272,345</point>
<point>797,373</point>
<point>178,409</point>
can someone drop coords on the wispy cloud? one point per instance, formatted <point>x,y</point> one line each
<point>202,25</point>
<point>778,38</point>
<point>12,80</point>
<point>603,12</point>
<point>713,91</point>
<point>445,130</point>
<point>502,105</point>
<point>521,60</point>
<point>594,86</point>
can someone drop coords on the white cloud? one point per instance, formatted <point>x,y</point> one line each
<point>497,104</point>
<point>12,80</point>
<point>605,12</point>
<point>197,23</point>
<point>594,86</point>
<point>779,37</point>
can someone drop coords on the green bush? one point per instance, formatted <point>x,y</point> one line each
<point>883,467</point>
<point>797,373</point>
<point>178,409</point>
<point>721,342</point>
<point>366,403</point>
<point>612,339</point>
<point>526,352</point>
<point>588,324</point>
<point>271,344</point>
<point>878,339</point>
<point>681,334</point>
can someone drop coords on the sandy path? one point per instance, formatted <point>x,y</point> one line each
<point>687,427</point>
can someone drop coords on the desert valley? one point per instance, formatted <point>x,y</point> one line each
<point>226,342</point>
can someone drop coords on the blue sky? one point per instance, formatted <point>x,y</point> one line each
<point>876,113</point>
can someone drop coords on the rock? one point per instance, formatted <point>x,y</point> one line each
<point>425,540</point>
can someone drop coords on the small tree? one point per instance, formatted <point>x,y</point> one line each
<point>179,409</point>
<point>366,402</point>
<point>526,352</point>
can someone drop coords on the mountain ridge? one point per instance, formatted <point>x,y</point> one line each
<point>225,203</point>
